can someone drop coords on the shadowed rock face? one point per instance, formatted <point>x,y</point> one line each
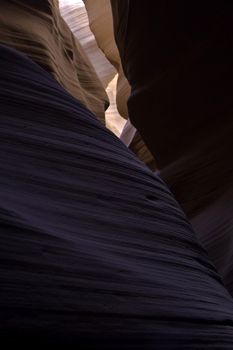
<point>94,249</point>
<point>37,29</point>
<point>203,184</point>
<point>178,59</point>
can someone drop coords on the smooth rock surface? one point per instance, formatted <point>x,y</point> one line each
<point>178,59</point>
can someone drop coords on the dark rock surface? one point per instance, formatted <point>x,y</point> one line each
<point>178,57</point>
<point>94,249</point>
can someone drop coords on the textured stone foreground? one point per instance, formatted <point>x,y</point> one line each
<point>95,250</point>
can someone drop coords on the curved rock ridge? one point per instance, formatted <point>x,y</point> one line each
<point>37,29</point>
<point>101,24</point>
<point>75,15</point>
<point>114,121</point>
<point>95,251</point>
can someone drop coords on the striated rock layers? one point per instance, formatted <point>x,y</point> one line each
<point>37,29</point>
<point>101,24</point>
<point>75,15</point>
<point>95,251</point>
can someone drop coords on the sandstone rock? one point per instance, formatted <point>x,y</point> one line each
<point>38,30</point>
<point>75,15</point>
<point>101,23</point>
<point>95,251</point>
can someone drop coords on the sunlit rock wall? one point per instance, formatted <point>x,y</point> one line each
<point>101,24</point>
<point>38,30</point>
<point>74,13</point>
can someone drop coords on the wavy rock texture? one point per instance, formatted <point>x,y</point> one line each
<point>101,24</point>
<point>95,251</point>
<point>37,29</point>
<point>75,15</point>
<point>181,103</point>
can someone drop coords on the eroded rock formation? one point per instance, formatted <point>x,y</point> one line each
<point>101,24</point>
<point>95,251</point>
<point>38,30</point>
<point>74,13</point>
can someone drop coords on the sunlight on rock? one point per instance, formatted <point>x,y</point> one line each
<point>75,15</point>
